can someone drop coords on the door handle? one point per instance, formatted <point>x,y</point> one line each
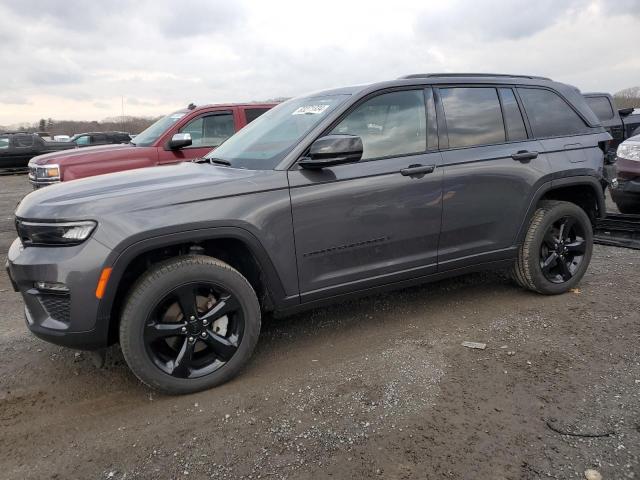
<point>412,170</point>
<point>524,155</point>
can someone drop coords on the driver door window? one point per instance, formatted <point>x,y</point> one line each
<point>390,125</point>
<point>211,130</point>
<point>83,140</point>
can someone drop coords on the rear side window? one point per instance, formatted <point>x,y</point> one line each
<point>24,140</point>
<point>549,114</point>
<point>473,116</point>
<point>391,124</point>
<point>252,113</point>
<point>601,106</point>
<point>512,116</point>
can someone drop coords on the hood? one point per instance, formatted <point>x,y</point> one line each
<point>97,153</point>
<point>144,189</point>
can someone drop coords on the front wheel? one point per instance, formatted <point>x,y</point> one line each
<point>557,249</point>
<point>190,323</point>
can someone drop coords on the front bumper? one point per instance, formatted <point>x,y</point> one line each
<point>70,319</point>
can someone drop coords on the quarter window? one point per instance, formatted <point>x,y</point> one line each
<point>512,116</point>
<point>210,131</point>
<point>473,116</point>
<point>390,124</point>
<point>549,114</point>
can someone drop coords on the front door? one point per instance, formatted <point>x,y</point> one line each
<point>207,132</point>
<point>376,221</point>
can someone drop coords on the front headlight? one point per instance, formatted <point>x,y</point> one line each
<point>629,151</point>
<point>48,173</point>
<point>41,233</point>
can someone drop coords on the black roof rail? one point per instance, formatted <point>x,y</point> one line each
<point>501,75</point>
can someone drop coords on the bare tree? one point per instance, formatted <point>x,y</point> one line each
<point>627,98</point>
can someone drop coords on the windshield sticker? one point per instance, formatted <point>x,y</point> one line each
<point>176,116</point>
<point>310,110</point>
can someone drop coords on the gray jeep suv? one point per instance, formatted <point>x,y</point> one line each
<point>341,192</point>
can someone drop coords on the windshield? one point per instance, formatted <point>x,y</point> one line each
<point>263,143</point>
<point>155,131</point>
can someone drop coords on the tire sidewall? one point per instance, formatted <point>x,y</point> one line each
<point>557,212</point>
<point>154,286</point>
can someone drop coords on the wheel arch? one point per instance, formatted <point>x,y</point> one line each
<point>233,245</point>
<point>585,191</point>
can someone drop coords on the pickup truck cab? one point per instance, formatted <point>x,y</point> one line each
<point>163,143</point>
<point>17,148</point>
<point>621,124</point>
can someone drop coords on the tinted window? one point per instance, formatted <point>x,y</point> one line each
<point>390,124</point>
<point>252,113</point>
<point>473,116</point>
<point>512,115</point>
<point>99,138</point>
<point>601,107</point>
<point>549,114</point>
<point>24,140</point>
<point>210,131</point>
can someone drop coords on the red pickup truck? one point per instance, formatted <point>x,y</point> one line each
<point>182,135</point>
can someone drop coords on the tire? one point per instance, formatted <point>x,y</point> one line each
<point>221,299</point>
<point>540,260</point>
<point>628,206</point>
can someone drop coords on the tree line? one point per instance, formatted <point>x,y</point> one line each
<point>627,98</point>
<point>70,127</point>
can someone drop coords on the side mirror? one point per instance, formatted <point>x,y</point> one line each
<point>333,150</point>
<point>625,112</point>
<point>179,140</point>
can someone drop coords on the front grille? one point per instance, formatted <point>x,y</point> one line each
<point>57,306</point>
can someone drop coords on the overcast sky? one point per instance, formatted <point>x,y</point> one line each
<point>76,59</point>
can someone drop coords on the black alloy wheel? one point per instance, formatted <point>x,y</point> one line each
<point>562,250</point>
<point>194,330</point>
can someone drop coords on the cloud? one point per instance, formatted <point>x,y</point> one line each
<point>80,60</point>
<point>494,19</point>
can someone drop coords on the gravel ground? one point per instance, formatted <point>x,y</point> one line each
<point>375,388</point>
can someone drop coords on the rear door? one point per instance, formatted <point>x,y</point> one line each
<point>208,130</point>
<point>570,144</point>
<point>491,165</point>
<point>372,222</point>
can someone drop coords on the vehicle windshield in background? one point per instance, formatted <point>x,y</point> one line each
<point>151,134</point>
<point>4,142</point>
<point>263,143</point>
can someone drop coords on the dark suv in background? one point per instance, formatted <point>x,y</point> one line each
<point>342,192</point>
<point>100,138</point>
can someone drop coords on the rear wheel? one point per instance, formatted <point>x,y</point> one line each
<point>190,323</point>
<point>628,206</point>
<point>557,249</point>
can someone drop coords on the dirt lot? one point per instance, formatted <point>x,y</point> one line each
<point>375,388</point>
